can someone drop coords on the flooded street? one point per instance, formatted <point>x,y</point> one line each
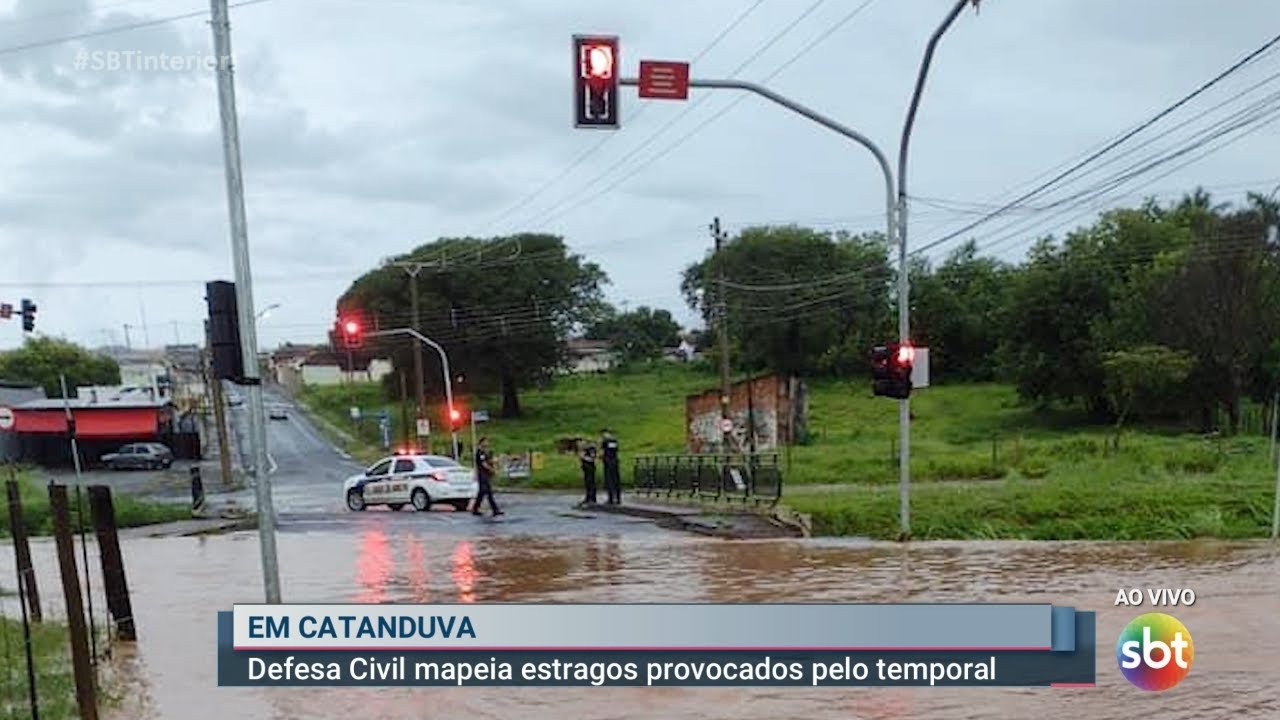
<point>179,584</point>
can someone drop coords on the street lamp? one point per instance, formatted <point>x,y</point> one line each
<point>263,312</point>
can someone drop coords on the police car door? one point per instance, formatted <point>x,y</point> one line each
<point>377,483</point>
<point>402,480</point>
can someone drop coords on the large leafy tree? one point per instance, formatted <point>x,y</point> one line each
<point>502,308</point>
<point>957,311</point>
<point>799,301</point>
<point>43,360</point>
<point>639,334</point>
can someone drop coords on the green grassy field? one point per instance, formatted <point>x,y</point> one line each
<point>130,511</point>
<point>55,683</point>
<point>985,465</point>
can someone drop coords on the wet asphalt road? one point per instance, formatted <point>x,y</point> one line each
<point>307,473</point>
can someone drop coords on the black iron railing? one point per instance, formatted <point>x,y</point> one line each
<point>744,477</point>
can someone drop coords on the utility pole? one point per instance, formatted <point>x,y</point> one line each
<point>904,290</point>
<point>244,299</point>
<point>219,411</point>
<point>413,269</point>
<point>127,344</point>
<point>722,319</point>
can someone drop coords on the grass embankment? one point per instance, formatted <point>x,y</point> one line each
<point>55,683</point>
<point>130,511</point>
<point>984,465</point>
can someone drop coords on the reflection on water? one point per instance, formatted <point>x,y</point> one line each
<point>179,584</point>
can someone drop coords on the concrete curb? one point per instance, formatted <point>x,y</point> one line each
<point>727,525</point>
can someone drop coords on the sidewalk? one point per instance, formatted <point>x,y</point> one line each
<point>738,524</point>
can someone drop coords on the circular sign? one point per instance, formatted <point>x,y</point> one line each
<point>6,418</point>
<point>726,425</point>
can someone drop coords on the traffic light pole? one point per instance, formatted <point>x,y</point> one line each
<point>891,210</point>
<point>244,300</point>
<point>904,290</point>
<point>444,363</point>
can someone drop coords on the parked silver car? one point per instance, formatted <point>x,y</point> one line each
<point>139,456</point>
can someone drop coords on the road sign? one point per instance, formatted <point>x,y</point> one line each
<point>480,415</point>
<point>920,368</point>
<point>664,80</point>
<point>424,427</point>
<point>6,419</point>
<point>726,425</point>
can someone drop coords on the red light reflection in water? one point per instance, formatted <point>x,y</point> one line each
<point>419,575</point>
<point>373,567</point>
<point>464,572</point>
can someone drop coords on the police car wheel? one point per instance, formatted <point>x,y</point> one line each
<point>421,501</point>
<point>355,500</point>
<point>395,507</point>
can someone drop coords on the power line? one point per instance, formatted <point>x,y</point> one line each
<point>117,29</point>
<point>575,199</point>
<point>609,136</point>
<point>556,214</point>
<point>1109,146</point>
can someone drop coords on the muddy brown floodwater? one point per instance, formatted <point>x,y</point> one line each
<point>179,584</point>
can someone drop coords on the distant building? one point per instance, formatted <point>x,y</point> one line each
<point>295,366</point>
<point>590,356</point>
<point>684,352</point>
<point>13,394</point>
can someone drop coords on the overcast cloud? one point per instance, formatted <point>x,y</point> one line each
<point>371,126</point>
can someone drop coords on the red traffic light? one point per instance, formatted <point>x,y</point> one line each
<point>906,354</point>
<point>455,415</point>
<point>597,61</point>
<point>351,327</point>
<point>352,332</point>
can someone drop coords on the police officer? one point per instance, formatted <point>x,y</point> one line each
<point>612,477</point>
<point>587,456</point>
<point>484,477</point>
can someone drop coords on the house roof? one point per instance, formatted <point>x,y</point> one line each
<point>587,347</point>
<point>329,358</point>
<point>81,404</point>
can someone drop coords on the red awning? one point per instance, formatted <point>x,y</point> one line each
<point>91,423</point>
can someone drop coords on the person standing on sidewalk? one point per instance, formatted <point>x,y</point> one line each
<point>484,478</point>
<point>587,458</point>
<point>612,474</point>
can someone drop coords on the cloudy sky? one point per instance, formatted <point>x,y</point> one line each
<point>370,126</point>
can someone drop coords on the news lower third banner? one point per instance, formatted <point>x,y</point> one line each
<point>512,645</point>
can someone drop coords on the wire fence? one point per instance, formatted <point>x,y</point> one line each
<point>57,635</point>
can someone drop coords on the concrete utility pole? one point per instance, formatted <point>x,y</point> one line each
<point>413,269</point>
<point>71,426</point>
<point>722,319</point>
<point>244,299</point>
<point>904,290</point>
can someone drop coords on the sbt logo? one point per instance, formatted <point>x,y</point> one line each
<point>1155,651</point>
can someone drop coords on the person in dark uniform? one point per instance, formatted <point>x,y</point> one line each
<point>587,456</point>
<point>612,476</point>
<point>484,477</point>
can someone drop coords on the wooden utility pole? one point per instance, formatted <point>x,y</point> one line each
<point>219,411</point>
<point>21,548</point>
<point>113,577</point>
<point>722,318</point>
<point>81,663</point>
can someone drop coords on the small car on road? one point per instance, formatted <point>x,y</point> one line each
<point>278,412</point>
<point>412,479</point>
<point>139,456</point>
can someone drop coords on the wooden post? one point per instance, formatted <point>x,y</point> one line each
<point>113,577</point>
<point>86,693</point>
<point>21,548</point>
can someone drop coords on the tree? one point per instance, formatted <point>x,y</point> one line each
<point>799,301</point>
<point>41,360</point>
<point>502,308</point>
<point>957,312</point>
<point>639,334</point>
<point>1148,374</point>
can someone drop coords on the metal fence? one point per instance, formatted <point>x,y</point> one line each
<point>742,477</point>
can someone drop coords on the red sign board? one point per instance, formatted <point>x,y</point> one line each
<point>664,80</point>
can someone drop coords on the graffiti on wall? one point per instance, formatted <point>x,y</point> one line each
<point>765,412</point>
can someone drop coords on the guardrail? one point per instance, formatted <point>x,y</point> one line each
<point>745,477</point>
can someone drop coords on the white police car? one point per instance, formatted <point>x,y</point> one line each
<point>410,479</point>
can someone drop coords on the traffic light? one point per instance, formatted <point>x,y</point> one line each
<point>352,332</point>
<point>595,68</point>
<point>28,315</point>
<point>891,370</point>
<point>455,419</point>
<point>224,330</point>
